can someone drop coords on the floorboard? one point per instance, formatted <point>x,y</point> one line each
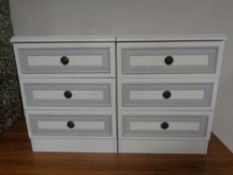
<point>17,158</point>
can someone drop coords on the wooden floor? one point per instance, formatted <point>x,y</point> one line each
<point>16,157</point>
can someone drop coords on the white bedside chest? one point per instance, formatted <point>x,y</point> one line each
<point>119,94</point>
<point>68,90</point>
<point>167,88</point>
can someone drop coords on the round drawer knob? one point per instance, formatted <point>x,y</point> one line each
<point>164,125</point>
<point>167,94</point>
<point>64,60</point>
<point>168,60</point>
<point>68,94</point>
<point>70,124</point>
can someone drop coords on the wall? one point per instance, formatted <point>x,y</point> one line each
<point>110,17</point>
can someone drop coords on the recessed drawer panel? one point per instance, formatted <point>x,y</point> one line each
<point>151,94</point>
<point>164,125</point>
<point>70,125</point>
<point>167,58</point>
<point>76,58</point>
<point>71,93</point>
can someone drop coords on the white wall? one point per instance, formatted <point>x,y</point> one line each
<point>111,17</point>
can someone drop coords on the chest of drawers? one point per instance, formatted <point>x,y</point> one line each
<point>68,88</point>
<point>119,94</point>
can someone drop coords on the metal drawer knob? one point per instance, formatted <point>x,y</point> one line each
<point>68,94</point>
<point>70,124</point>
<point>164,125</point>
<point>167,94</point>
<point>64,60</point>
<point>168,60</point>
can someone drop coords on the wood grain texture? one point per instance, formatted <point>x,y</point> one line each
<point>16,157</point>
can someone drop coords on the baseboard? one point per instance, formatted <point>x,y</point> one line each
<point>163,146</point>
<point>73,145</point>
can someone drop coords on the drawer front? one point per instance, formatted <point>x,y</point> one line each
<point>70,125</point>
<point>153,95</point>
<point>164,126</point>
<point>77,58</point>
<point>72,93</point>
<point>167,58</point>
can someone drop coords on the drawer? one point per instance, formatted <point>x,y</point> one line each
<point>168,57</point>
<point>76,93</point>
<point>81,59</point>
<point>83,125</point>
<point>173,93</point>
<point>164,125</point>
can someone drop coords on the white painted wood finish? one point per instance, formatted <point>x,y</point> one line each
<point>184,146</point>
<point>46,61</point>
<point>182,62</point>
<point>57,96</point>
<point>157,95</point>
<point>119,38</point>
<point>142,114</point>
<point>78,125</point>
<point>74,145</point>
<point>175,126</point>
<point>141,68</point>
<point>144,96</point>
<point>171,37</point>
<point>63,39</point>
<point>197,61</point>
<point>84,60</point>
<point>41,72</point>
<point>75,113</point>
